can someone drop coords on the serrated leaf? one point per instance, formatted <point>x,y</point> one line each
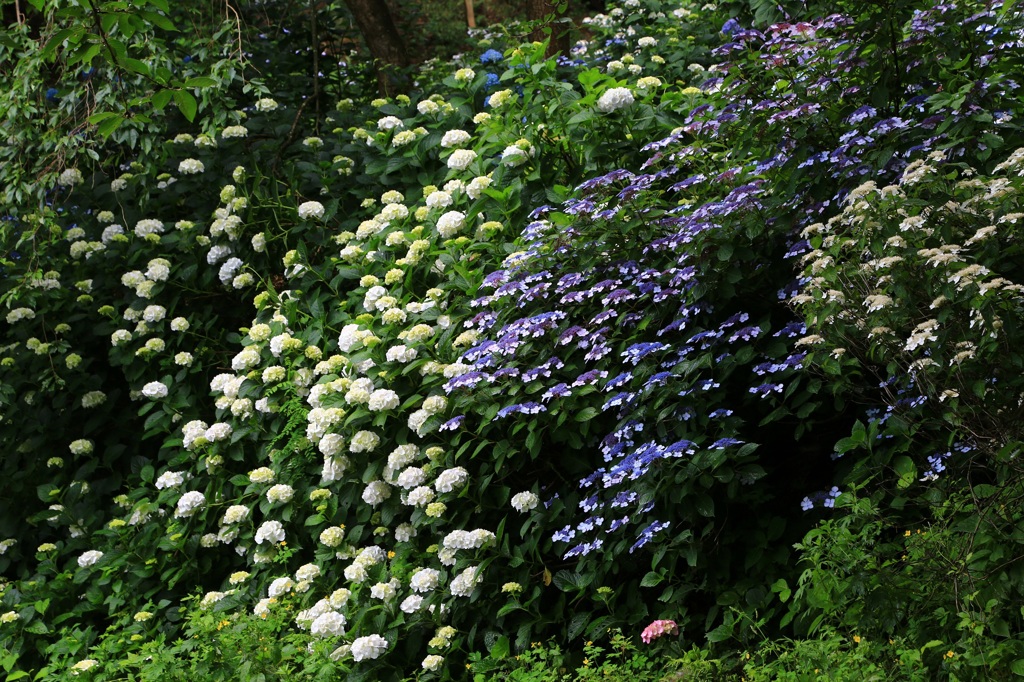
<point>586,414</point>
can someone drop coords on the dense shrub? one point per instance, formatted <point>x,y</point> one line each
<point>702,323</point>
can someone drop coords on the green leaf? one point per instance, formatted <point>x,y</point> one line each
<point>108,126</point>
<point>1017,667</point>
<point>906,470</point>
<point>186,104</point>
<point>161,99</point>
<point>158,20</point>
<point>586,414</point>
<point>501,649</point>
<point>200,82</point>
<point>136,65</point>
<point>652,579</point>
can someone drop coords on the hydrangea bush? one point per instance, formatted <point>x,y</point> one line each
<point>602,335</point>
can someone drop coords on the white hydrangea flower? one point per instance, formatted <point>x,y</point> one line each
<point>311,209</point>
<point>376,492</point>
<point>449,224</point>
<point>332,536</point>
<point>280,586</point>
<point>390,123</point>
<point>191,167</point>
<point>282,492</point>
<point>155,390</point>
<point>368,648</point>
<point>614,99</point>
<point>330,624</point>
<point>307,572</point>
<point>401,354</point>
<point>461,159</point>
<point>420,496</point>
<point>383,399</point>
<point>450,479</point>
<point>189,504</point>
<point>465,582</point>
<point>433,662</point>
<point>236,513</point>
<point>70,177</point>
<point>425,580</point>
<point>169,479</point>
<point>265,104</point>
<point>271,532</point>
<point>411,604</point>
<point>454,138</point>
<point>411,478</point>
<point>364,441</point>
<point>89,558</point>
<point>525,501</point>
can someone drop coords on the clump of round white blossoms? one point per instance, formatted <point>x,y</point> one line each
<point>461,158</point>
<point>411,604</point>
<point>155,390</point>
<point>465,75</point>
<point>89,558</point>
<point>234,514</point>
<point>270,531</point>
<point>266,104</point>
<point>614,99</point>
<point>433,662</point>
<point>465,582</point>
<point>383,399</point>
<point>454,138</point>
<point>280,586</point>
<point>169,479</point>
<point>311,209</point>
<point>262,475</point>
<point>332,536</point>
<point>234,131</point>
<point>376,492</point>
<point>450,479</point>
<point>364,441</point>
<point>189,504</point>
<point>450,223</point>
<point>330,624</point>
<point>367,648</point>
<point>282,492</point>
<point>70,177</point>
<point>390,123</point>
<point>425,580</point>
<point>525,501</point>
<point>191,167</point>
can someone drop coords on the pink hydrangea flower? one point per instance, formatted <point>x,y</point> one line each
<point>657,629</point>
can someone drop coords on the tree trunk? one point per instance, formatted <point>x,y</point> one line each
<point>538,10</point>
<point>386,45</point>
